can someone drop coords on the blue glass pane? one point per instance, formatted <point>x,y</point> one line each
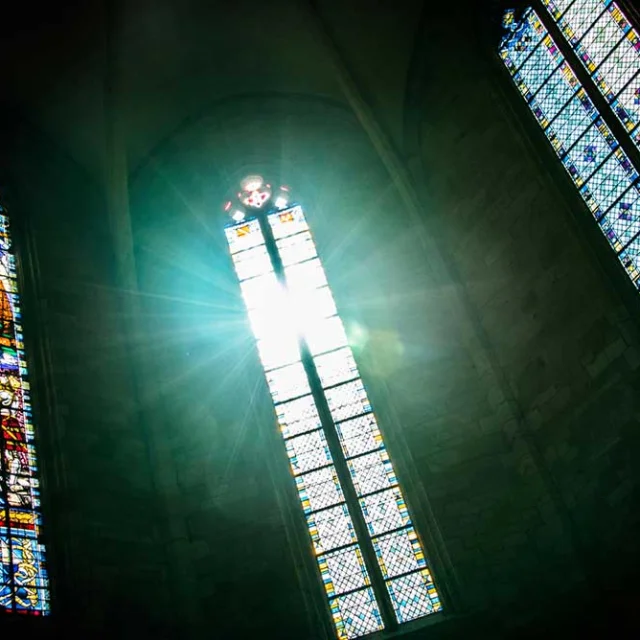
<point>552,97</point>
<point>630,259</point>
<point>571,123</point>
<point>537,68</point>
<point>598,41</point>
<point>622,222</point>
<point>557,7</point>
<point>627,107</point>
<point>606,177</point>
<point>589,152</point>
<point>579,17</point>
<point>517,46</point>
<point>606,185</point>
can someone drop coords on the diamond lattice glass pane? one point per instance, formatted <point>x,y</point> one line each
<point>296,248</point>
<point>571,123</point>
<point>372,472</point>
<point>399,552</point>
<point>244,236</point>
<point>319,489</point>
<point>608,183</point>
<point>347,400</point>
<point>630,259</point>
<point>515,48</point>
<point>325,335</point>
<point>336,367</point>
<point>413,596</point>
<point>308,451</point>
<point>356,614</point>
<point>288,382</point>
<point>359,435</point>
<point>538,67</point>
<point>287,223</point>
<point>622,222</point>
<point>385,511</point>
<point>557,7</point>
<point>298,416</point>
<point>589,152</point>
<point>627,107</point>
<point>343,571</point>
<point>552,96</point>
<point>251,263</point>
<point>579,17</point>
<point>599,41</point>
<point>331,528</point>
<point>306,275</point>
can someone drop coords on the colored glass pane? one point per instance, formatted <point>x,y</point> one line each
<point>399,552</point>
<point>292,313</point>
<point>413,596</point>
<point>606,177</point>
<point>609,48</point>
<point>23,572</point>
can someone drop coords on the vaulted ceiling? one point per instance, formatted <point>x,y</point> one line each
<point>164,62</point>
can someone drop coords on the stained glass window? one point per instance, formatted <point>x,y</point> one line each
<point>609,48</point>
<point>292,313</point>
<point>605,176</point>
<point>24,586</point>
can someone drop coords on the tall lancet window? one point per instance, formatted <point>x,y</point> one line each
<point>23,574</point>
<point>370,558</point>
<point>608,47</point>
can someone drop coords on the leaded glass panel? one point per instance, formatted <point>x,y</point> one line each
<point>372,472</point>
<point>589,152</point>
<point>609,183</point>
<point>630,259</point>
<point>414,596</point>
<point>555,94</point>
<point>356,614</point>
<point>288,382</point>
<point>308,451</point>
<point>627,107</point>
<point>622,222</point>
<point>518,47</point>
<point>298,416</point>
<point>288,223</point>
<point>598,41</point>
<point>579,17</point>
<point>23,572</point>
<point>385,511</point>
<point>331,528</point>
<point>343,571</point>
<point>244,236</point>
<point>557,7</point>
<point>571,123</point>
<point>399,552</point>
<point>347,400</point>
<point>359,435</point>
<point>319,489</point>
<point>537,68</point>
<point>336,367</point>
